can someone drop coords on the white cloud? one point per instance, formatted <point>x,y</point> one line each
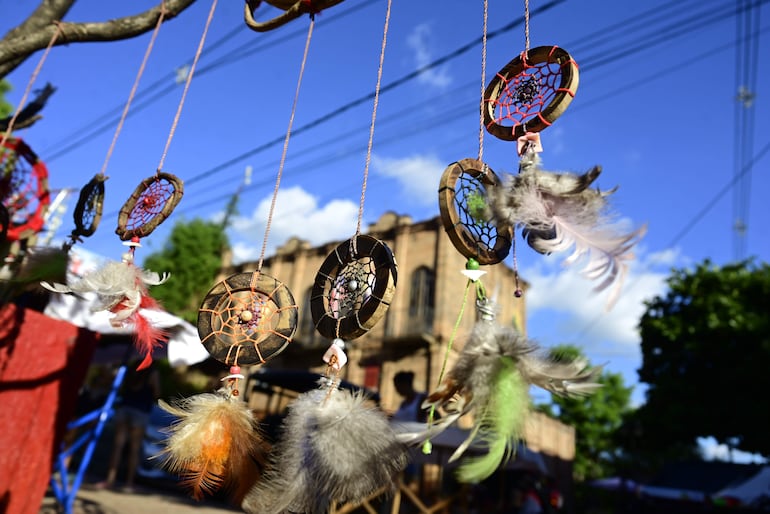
<point>711,450</point>
<point>297,213</point>
<point>563,307</point>
<point>419,175</point>
<point>419,41</point>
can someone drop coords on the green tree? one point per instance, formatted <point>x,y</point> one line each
<point>193,256</point>
<point>5,107</point>
<point>595,418</point>
<point>706,355</point>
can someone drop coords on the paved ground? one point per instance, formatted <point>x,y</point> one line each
<point>143,500</point>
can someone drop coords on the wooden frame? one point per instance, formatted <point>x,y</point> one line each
<point>233,338</point>
<point>549,113</point>
<point>18,230</point>
<point>133,206</point>
<point>467,237</point>
<point>88,211</point>
<point>332,279</point>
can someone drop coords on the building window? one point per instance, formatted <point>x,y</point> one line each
<point>421,298</point>
<point>307,330</point>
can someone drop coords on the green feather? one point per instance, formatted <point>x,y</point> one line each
<point>501,422</point>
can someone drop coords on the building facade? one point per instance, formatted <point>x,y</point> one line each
<point>430,294</point>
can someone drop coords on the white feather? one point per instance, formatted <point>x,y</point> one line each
<point>558,212</point>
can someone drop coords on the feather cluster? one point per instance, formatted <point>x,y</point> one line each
<point>335,446</point>
<point>559,211</point>
<point>122,288</point>
<point>215,443</point>
<point>491,380</point>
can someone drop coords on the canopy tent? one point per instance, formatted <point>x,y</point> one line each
<point>184,346</point>
<point>446,442</point>
<point>751,490</point>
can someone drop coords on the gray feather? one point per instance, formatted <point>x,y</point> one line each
<point>333,448</point>
<point>558,212</point>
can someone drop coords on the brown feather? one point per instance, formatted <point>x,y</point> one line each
<point>215,444</point>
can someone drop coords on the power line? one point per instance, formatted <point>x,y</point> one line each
<point>692,22</point>
<point>108,120</point>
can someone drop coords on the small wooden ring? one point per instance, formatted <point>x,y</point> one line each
<point>365,313</point>
<point>544,118</point>
<point>88,211</point>
<point>221,329</point>
<point>127,233</point>
<point>467,239</point>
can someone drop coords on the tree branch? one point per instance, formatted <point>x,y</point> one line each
<point>36,31</point>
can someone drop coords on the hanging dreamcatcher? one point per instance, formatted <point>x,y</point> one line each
<point>495,368</point>
<point>555,211</point>
<point>122,287</point>
<point>292,9</point>
<point>23,189</point>
<point>245,319</point>
<point>88,210</point>
<point>23,176</point>
<point>336,445</point>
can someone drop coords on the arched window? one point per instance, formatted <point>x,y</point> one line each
<point>422,297</point>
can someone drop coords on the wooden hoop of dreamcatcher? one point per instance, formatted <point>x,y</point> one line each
<point>462,203</point>
<point>292,9</point>
<point>88,211</point>
<point>530,92</point>
<point>248,318</point>
<point>153,200</point>
<point>353,288</point>
<point>23,189</point>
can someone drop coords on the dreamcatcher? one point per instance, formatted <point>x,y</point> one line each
<point>495,368</point>
<point>23,189</point>
<point>336,445</point>
<point>88,210</point>
<point>122,288</point>
<point>292,9</point>
<point>556,211</point>
<point>245,319</point>
<point>25,198</point>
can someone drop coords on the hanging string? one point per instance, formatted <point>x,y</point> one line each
<point>139,74</point>
<point>187,85</point>
<point>285,145</point>
<point>374,117</point>
<point>32,79</point>
<point>526,26</point>
<point>483,80</point>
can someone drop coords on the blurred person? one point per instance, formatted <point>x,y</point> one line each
<point>139,392</point>
<point>410,408</point>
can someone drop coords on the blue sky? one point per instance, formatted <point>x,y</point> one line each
<point>655,107</point>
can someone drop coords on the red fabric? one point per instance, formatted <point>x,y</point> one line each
<point>42,365</point>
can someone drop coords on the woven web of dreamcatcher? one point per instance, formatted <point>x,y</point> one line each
<point>526,94</point>
<point>352,287</point>
<point>246,317</point>
<point>470,201</point>
<point>151,203</point>
<point>18,186</point>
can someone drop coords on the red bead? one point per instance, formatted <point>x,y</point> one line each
<point>235,370</point>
